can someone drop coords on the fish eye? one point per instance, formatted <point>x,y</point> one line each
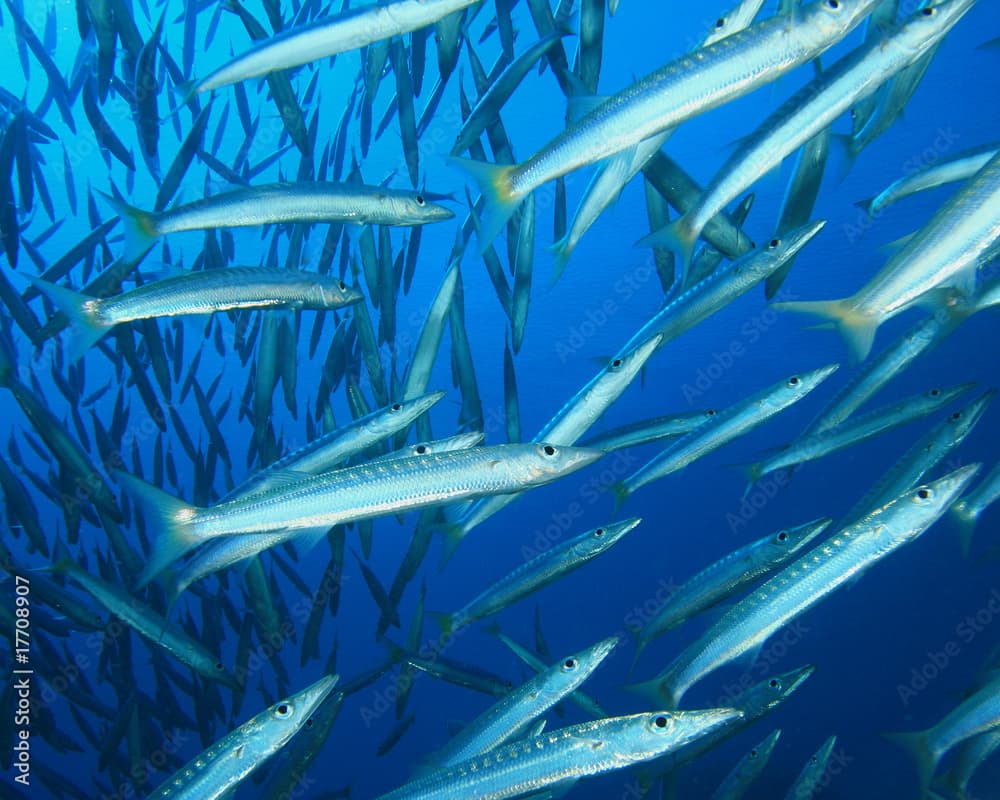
<point>218,667</point>
<point>283,711</point>
<point>549,450</point>
<point>720,23</point>
<point>599,532</point>
<point>774,683</point>
<point>420,200</point>
<point>309,723</point>
<point>710,413</point>
<point>957,415</point>
<point>660,721</point>
<point>774,243</point>
<point>753,754</point>
<point>929,11</point>
<point>420,449</point>
<point>570,663</point>
<point>395,407</point>
<point>782,536</point>
<point>794,380</point>
<point>934,392</point>
<point>343,286</point>
<point>924,493</point>
<point>616,363</point>
<point>834,4</point>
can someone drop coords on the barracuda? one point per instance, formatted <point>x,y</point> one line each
<point>946,251</point>
<point>722,428</point>
<point>215,773</point>
<point>858,429</point>
<point>203,292</point>
<point>303,201</point>
<point>521,707</point>
<point>815,107</point>
<point>308,506</point>
<point>337,33</point>
<point>722,287</point>
<point>564,756</point>
<point>727,576</point>
<point>148,623</point>
<point>570,423</point>
<point>537,572</point>
<point>843,557</point>
<point>683,89</point>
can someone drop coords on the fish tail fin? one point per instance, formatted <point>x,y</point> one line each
<point>843,143</point>
<point>680,237</point>
<point>140,227</point>
<point>86,327</point>
<point>857,327</point>
<point>561,251</point>
<point>451,536</point>
<point>917,745</point>
<point>621,493</point>
<point>866,205</point>
<point>654,690</point>
<point>499,197</point>
<point>444,620</point>
<point>640,646</point>
<point>169,519</point>
<point>966,521</point>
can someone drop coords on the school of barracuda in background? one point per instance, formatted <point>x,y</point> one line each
<point>94,302</point>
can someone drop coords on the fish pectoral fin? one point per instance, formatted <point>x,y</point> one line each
<point>579,105</point>
<point>284,477</point>
<point>308,538</point>
<point>749,658</point>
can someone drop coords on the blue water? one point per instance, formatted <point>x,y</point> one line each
<point>871,643</point>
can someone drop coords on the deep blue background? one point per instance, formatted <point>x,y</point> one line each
<point>865,641</point>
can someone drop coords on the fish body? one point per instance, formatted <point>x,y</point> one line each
<point>946,251</point>
<point>730,574</point>
<point>268,204</point>
<point>543,569</point>
<point>723,427</point>
<point>806,581</point>
<point>811,110</point>
<point>681,90</point>
<point>518,709</point>
<point>328,36</point>
<point>215,773</point>
<point>310,505</point>
<point>565,755</point>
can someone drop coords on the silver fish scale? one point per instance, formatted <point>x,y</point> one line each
<point>374,489</point>
<point>207,291</point>
<point>520,767</point>
<point>688,86</point>
<point>300,202</point>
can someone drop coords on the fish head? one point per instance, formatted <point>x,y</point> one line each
<point>832,19</point>
<point>600,539</point>
<point>288,715</point>
<point>418,208</point>
<point>781,248</point>
<point>799,385</point>
<point>913,512</point>
<point>927,25</point>
<point>548,461</point>
<point>788,541</point>
<point>335,293</point>
<point>962,421</point>
<point>659,732</point>
<point>772,692</point>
